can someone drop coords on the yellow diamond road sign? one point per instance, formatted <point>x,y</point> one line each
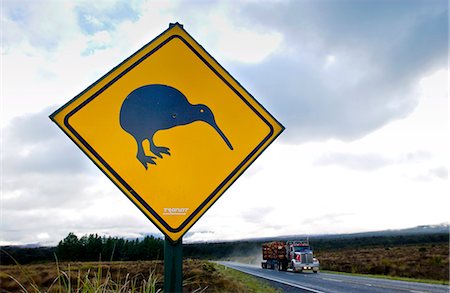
<point>171,128</point>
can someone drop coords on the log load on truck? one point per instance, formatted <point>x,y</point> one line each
<point>283,255</point>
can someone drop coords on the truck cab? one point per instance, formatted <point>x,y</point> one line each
<point>301,257</point>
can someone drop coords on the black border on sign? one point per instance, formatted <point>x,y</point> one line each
<point>125,187</point>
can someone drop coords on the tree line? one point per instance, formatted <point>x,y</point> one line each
<point>87,248</point>
<point>93,247</point>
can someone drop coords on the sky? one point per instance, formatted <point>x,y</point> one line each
<point>361,87</point>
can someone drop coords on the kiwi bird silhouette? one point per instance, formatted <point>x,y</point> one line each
<point>155,107</point>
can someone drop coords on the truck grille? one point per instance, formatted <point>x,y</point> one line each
<point>306,258</point>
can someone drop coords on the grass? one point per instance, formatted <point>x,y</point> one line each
<point>134,277</point>
<point>252,284</point>
<point>76,277</point>
<point>426,262</point>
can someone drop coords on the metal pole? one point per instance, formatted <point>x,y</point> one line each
<point>173,266</point>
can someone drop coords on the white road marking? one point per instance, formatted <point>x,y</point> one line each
<point>334,280</point>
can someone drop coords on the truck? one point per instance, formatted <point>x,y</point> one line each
<point>294,255</point>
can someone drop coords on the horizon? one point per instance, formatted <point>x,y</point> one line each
<point>354,234</point>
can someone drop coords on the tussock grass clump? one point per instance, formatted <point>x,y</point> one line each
<point>80,278</point>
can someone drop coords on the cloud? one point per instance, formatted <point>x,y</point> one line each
<point>34,144</point>
<point>325,69</point>
<point>369,161</point>
<point>104,16</point>
<point>48,66</point>
<point>50,188</point>
<point>346,68</point>
<point>227,38</point>
<point>257,214</point>
<point>366,162</point>
<point>42,25</point>
<point>326,219</point>
<point>440,172</point>
<point>437,173</point>
<point>48,24</point>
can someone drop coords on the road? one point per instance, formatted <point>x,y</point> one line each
<point>335,283</point>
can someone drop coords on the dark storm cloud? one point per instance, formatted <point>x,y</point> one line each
<point>381,50</point>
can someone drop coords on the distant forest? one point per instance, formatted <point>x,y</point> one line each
<point>94,247</point>
<point>88,248</point>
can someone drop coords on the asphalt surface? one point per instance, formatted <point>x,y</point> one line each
<point>335,283</point>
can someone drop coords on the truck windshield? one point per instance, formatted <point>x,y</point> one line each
<point>301,248</point>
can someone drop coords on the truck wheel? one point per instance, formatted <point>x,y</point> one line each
<point>315,272</point>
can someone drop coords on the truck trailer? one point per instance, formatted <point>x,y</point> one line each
<point>283,255</point>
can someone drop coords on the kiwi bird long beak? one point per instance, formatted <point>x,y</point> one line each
<point>216,127</point>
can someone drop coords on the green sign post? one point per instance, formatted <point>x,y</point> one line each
<point>173,265</point>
